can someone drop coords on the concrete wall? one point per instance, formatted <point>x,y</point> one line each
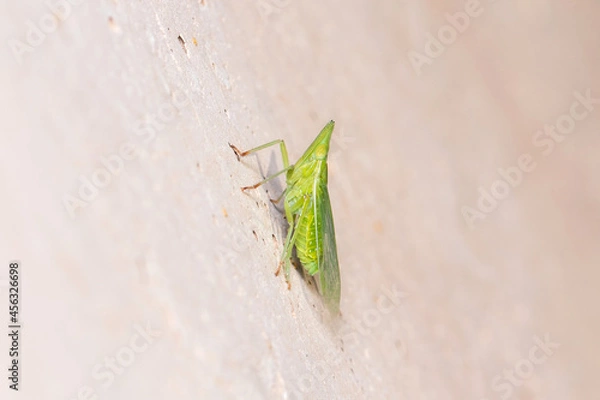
<point>463,177</point>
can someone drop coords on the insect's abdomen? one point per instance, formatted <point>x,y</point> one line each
<point>307,248</point>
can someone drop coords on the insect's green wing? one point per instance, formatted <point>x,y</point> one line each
<point>329,270</point>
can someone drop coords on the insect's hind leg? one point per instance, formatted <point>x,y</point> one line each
<point>289,242</point>
<point>285,257</point>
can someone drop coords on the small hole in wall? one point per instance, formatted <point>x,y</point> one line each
<point>113,25</point>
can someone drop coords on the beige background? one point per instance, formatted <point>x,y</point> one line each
<point>435,305</point>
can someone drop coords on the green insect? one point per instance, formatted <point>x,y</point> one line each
<point>308,212</point>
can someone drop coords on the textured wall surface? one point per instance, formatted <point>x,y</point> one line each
<point>463,175</point>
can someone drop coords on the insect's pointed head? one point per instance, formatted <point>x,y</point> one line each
<point>321,143</point>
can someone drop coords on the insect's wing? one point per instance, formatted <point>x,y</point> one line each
<point>329,270</point>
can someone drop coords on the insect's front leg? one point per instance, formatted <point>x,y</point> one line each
<point>267,179</point>
<point>280,142</point>
<point>277,200</point>
<point>284,156</point>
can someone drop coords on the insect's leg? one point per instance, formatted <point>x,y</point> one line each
<point>267,179</point>
<point>284,156</point>
<point>287,251</point>
<point>289,242</point>
<point>280,142</point>
<point>277,200</point>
